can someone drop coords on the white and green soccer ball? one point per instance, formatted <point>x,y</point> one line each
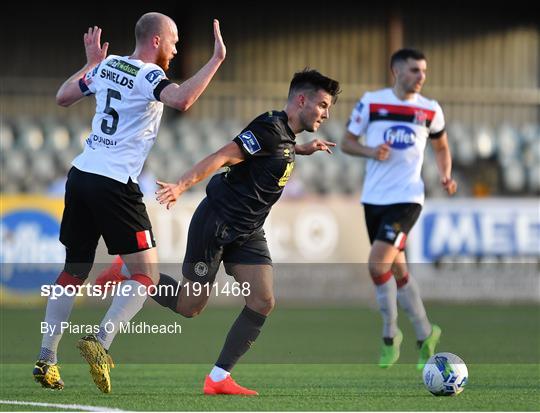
<point>445,374</point>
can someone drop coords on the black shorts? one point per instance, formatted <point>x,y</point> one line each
<point>99,206</point>
<point>212,240</point>
<point>391,223</point>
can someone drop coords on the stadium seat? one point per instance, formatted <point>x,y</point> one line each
<point>461,143</point>
<point>533,178</point>
<point>15,165</point>
<point>64,159</point>
<point>42,166</point>
<point>166,139</point>
<point>514,176</point>
<point>30,137</point>
<point>306,171</point>
<point>231,127</point>
<point>351,182</point>
<point>484,141</point>
<point>508,144</point>
<point>57,137</point>
<point>79,131</point>
<point>530,132</point>
<point>7,138</point>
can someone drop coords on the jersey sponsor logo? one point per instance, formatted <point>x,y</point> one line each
<point>125,67</point>
<point>116,78</point>
<point>153,75</point>
<point>400,137</point>
<point>250,142</point>
<point>93,141</point>
<point>286,175</point>
<point>359,106</point>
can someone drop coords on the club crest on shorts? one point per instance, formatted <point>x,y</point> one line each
<point>201,269</point>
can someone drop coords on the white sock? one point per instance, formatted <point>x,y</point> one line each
<point>57,311</point>
<point>386,298</point>
<point>218,374</point>
<point>126,304</point>
<point>409,299</point>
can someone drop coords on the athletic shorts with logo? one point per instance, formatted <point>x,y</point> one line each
<point>95,206</point>
<point>391,223</point>
<point>212,240</point>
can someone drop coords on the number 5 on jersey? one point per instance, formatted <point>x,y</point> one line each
<point>109,110</point>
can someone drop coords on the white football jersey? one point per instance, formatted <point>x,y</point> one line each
<point>127,117</point>
<point>405,125</point>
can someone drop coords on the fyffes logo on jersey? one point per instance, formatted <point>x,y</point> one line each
<point>400,137</point>
<point>31,254</point>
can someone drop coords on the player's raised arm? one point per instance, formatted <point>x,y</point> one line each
<point>182,96</point>
<point>70,91</point>
<point>228,155</point>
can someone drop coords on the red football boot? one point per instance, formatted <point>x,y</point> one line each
<point>227,386</point>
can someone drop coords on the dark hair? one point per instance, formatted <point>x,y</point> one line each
<point>310,79</point>
<point>403,54</point>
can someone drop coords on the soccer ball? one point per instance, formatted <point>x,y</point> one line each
<point>445,374</point>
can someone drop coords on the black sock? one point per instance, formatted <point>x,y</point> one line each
<point>242,335</point>
<point>389,341</point>
<point>168,290</point>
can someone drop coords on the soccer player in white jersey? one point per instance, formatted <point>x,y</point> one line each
<point>396,123</point>
<point>102,195</point>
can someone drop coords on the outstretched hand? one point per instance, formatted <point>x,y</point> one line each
<point>219,46</point>
<point>449,185</point>
<point>168,193</point>
<point>95,53</point>
<point>314,146</point>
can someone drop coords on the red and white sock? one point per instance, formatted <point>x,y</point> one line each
<point>408,295</point>
<point>385,286</point>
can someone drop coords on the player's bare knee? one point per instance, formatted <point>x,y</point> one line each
<point>263,305</point>
<point>189,312</point>
<point>376,269</point>
<point>190,309</point>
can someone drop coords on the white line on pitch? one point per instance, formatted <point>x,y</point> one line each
<point>79,407</point>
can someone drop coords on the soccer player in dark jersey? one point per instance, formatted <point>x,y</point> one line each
<point>228,224</point>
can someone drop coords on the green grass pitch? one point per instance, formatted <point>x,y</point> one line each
<point>306,359</point>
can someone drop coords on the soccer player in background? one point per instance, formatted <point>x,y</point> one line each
<point>102,195</point>
<point>397,122</point>
<point>228,224</point>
